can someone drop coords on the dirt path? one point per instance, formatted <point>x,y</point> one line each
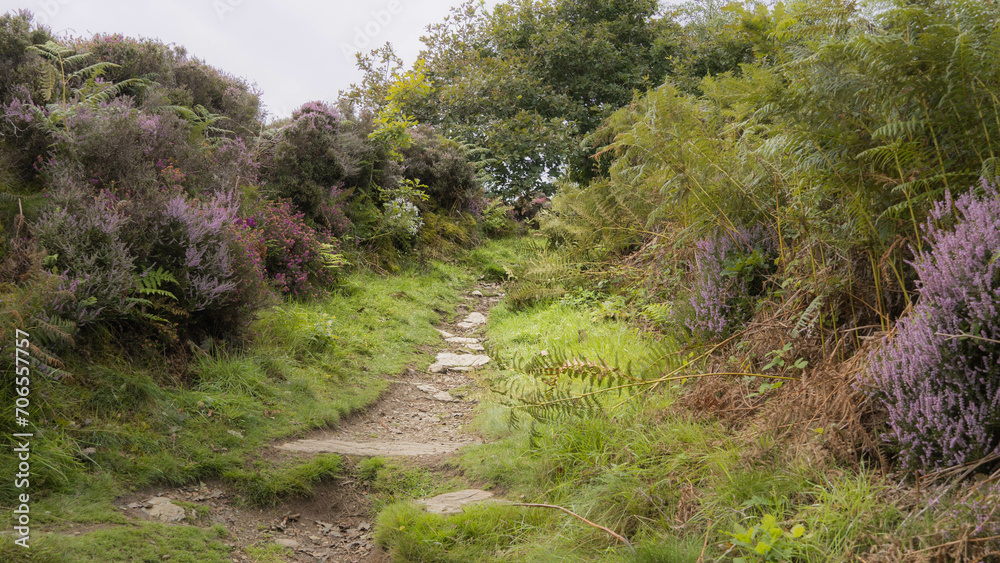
<point>422,417</point>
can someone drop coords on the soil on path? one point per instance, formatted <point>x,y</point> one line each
<point>422,416</point>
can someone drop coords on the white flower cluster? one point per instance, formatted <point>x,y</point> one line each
<point>402,217</point>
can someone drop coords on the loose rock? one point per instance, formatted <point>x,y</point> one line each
<point>287,542</point>
<point>443,396</point>
<point>473,320</point>
<point>429,389</point>
<point>163,510</point>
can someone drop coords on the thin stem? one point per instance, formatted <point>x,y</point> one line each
<point>578,517</point>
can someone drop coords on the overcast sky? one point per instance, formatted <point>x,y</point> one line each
<point>294,50</point>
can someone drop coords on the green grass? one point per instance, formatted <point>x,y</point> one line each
<point>136,542</point>
<point>309,364</point>
<point>264,486</point>
<point>673,483</point>
<point>543,327</point>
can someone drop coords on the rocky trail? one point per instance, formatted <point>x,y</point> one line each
<point>420,418</point>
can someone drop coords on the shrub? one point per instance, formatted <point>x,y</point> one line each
<point>729,271</point>
<point>116,146</point>
<point>190,242</point>
<point>219,93</point>
<point>938,375</point>
<point>135,58</point>
<point>18,67</point>
<point>25,138</point>
<point>305,165</point>
<point>299,260</point>
<point>87,248</point>
<point>441,165</point>
<point>209,266</point>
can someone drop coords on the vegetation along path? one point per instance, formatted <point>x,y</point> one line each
<point>421,418</point>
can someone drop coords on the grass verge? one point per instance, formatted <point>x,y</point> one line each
<point>680,485</point>
<point>119,424</point>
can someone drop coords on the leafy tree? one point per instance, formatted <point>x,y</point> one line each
<point>528,79</point>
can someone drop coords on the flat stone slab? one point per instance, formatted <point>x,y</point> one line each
<point>477,293</point>
<point>445,333</point>
<point>447,360</point>
<point>473,320</point>
<point>163,510</point>
<point>383,448</point>
<point>427,388</point>
<point>454,503</point>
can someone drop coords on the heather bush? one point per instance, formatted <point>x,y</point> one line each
<point>979,512</point>
<point>18,67</point>
<point>87,248</point>
<point>134,58</point>
<point>218,92</point>
<point>938,374</point>
<point>232,164</point>
<point>24,138</point>
<point>116,146</point>
<point>304,163</point>
<point>299,260</point>
<point>729,272</point>
<point>211,270</point>
<point>190,243</point>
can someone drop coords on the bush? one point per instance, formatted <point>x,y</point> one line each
<point>305,165</point>
<point>729,272</point>
<point>299,260</point>
<point>18,67</point>
<point>207,267</point>
<point>441,166</point>
<point>116,146</point>
<point>938,375</point>
<point>87,248</point>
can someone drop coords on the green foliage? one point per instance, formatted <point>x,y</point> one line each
<point>497,220</point>
<point>480,533</point>
<point>69,76</point>
<point>766,541</point>
<point>392,122</point>
<point>526,80</point>
<point>201,120</point>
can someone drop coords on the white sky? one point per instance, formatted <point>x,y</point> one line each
<point>292,49</point>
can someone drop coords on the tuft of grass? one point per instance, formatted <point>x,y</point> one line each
<point>267,486</point>
<point>496,259</point>
<point>391,481</point>
<point>485,532</point>
<point>268,552</point>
